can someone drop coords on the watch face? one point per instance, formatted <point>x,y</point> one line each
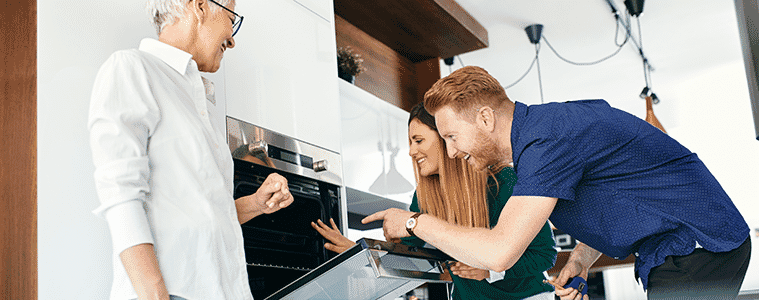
<point>410,223</point>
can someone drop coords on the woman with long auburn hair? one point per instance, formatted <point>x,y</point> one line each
<point>452,190</point>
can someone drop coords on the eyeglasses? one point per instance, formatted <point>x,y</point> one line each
<point>237,23</point>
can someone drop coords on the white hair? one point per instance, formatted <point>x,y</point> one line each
<point>166,12</point>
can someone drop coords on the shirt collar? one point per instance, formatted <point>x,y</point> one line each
<point>520,113</point>
<point>172,56</point>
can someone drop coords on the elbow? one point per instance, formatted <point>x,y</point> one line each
<point>500,267</point>
<point>500,263</point>
<point>504,256</point>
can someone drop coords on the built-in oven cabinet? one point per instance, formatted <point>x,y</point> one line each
<point>281,73</point>
<point>377,170</point>
<point>282,246</point>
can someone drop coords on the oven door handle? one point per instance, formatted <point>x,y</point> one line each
<point>387,272</point>
<point>404,250</point>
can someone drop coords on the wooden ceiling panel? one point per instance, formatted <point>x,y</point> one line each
<point>417,29</point>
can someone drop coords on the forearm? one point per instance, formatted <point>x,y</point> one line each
<point>584,255</point>
<point>246,211</point>
<point>496,249</point>
<point>477,247</point>
<point>142,267</point>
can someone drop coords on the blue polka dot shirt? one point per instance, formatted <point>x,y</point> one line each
<point>624,186</point>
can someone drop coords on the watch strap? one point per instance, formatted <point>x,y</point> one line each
<point>416,218</point>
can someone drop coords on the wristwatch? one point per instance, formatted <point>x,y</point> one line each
<point>411,223</point>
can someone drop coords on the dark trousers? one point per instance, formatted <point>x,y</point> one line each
<point>701,275</point>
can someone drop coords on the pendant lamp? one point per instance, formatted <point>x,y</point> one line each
<point>650,117</point>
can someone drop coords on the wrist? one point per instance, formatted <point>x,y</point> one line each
<point>153,290</point>
<point>578,264</point>
<point>584,256</point>
<point>412,223</point>
<point>252,204</point>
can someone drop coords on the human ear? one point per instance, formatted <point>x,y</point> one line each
<point>199,8</point>
<point>486,118</point>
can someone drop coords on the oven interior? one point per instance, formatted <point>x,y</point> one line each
<point>282,246</point>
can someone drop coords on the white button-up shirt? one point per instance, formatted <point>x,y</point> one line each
<point>162,176</point>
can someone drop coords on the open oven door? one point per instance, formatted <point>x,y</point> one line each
<point>369,270</point>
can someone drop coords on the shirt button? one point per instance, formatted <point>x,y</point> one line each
<point>636,254</point>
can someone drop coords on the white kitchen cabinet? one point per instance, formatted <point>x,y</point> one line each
<point>282,73</point>
<point>320,7</point>
<point>377,169</point>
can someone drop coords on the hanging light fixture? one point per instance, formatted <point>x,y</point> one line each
<point>650,117</point>
<point>635,7</point>
<point>534,32</point>
<point>654,99</point>
<point>645,92</point>
<point>390,182</point>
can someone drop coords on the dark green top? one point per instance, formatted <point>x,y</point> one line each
<point>522,280</point>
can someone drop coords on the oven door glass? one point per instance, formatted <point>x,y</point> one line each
<point>368,271</point>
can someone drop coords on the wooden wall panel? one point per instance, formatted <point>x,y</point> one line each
<point>427,73</point>
<point>18,155</point>
<point>388,75</point>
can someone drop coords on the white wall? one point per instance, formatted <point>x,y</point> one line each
<point>699,77</point>
<point>74,39</point>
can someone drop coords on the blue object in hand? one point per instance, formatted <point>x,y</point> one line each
<point>579,284</point>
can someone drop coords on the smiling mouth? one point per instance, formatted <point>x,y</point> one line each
<point>466,157</point>
<point>421,160</point>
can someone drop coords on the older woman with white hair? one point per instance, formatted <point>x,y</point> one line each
<point>162,171</point>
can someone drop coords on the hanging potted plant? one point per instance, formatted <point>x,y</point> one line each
<point>349,64</point>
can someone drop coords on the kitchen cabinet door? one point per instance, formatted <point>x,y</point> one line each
<point>322,8</point>
<point>282,73</point>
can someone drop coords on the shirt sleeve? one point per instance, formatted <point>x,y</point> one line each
<point>123,114</point>
<point>551,165</point>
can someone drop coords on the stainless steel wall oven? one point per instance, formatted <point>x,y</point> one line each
<point>281,247</point>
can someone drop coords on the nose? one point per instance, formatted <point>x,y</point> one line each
<point>230,42</point>
<point>412,150</point>
<point>451,151</point>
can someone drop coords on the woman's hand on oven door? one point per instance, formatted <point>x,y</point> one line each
<point>273,194</point>
<point>339,242</point>
<point>465,271</point>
